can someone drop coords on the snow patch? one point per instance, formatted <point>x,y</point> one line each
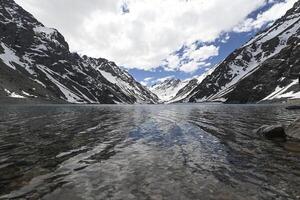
<point>27,94</point>
<point>13,94</point>
<point>69,95</point>
<point>9,57</point>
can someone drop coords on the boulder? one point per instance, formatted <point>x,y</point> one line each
<point>272,132</point>
<point>293,130</point>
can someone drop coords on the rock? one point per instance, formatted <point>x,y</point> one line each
<point>292,146</point>
<point>293,130</point>
<point>293,107</point>
<point>272,132</point>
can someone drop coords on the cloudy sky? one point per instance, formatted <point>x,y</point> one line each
<point>154,39</point>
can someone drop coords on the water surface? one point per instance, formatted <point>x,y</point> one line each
<point>145,152</point>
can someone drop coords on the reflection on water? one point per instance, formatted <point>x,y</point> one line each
<point>145,152</point>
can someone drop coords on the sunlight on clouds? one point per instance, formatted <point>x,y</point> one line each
<point>275,12</point>
<point>148,32</point>
<point>192,59</point>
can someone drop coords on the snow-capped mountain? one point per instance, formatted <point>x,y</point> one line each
<point>172,90</point>
<point>35,63</point>
<point>166,90</point>
<point>189,87</point>
<point>266,68</point>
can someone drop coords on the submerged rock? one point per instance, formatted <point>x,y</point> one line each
<point>272,132</point>
<point>293,130</point>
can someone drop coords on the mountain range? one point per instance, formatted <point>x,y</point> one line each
<point>266,68</point>
<point>36,65</point>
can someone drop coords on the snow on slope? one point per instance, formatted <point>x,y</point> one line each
<point>282,92</point>
<point>189,87</point>
<point>33,56</point>
<point>167,89</point>
<point>123,80</point>
<point>240,74</point>
<point>261,53</point>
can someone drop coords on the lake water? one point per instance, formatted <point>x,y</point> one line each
<point>145,152</point>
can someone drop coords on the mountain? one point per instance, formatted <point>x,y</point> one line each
<point>166,90</point>
<point>265,69</point>
<point>36,64</point>
<point>185,91</point>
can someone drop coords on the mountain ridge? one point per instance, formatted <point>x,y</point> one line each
<point>243,77</point>
<point>36,60</point>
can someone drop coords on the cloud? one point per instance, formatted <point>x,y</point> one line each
<point>192,58</point>
<point>146,33</point>
<point>225,38</point>
<point>144,83</point>
<point>267,17</point>
<point>148,81</point>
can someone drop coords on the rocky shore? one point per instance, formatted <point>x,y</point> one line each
<point>293,130</point>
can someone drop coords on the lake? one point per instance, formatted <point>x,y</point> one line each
<point>188,151</point>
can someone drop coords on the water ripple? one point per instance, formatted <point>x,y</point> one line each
<point>145,152</point>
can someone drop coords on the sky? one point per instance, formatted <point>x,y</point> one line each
<point>155,39</point>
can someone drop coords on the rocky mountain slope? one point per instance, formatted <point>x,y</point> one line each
<point>264,69</point>
<point>35,63</point>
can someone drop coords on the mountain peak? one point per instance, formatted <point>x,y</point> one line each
<point>260,70</point>
<point>36,63</point>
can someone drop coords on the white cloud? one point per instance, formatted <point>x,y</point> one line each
<point>191,67</point>
<point>203,53</point>
<point>192,59</point>
<point>144,83</point>
<point>148,78</point>
<point>225,38</point>
<point>148,81</point>
<point>147,34</point>
<point>275,12</point>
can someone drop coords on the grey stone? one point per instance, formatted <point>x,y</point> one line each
<point>293,130</point>
<point>272,132</point>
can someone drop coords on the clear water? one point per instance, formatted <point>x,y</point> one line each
<point>145,152</point>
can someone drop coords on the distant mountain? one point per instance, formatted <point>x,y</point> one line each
<point>174,90</point>
<point>264,69</point>
<point>185,91</point>
<point>167,89</point>
<point>35,63</point>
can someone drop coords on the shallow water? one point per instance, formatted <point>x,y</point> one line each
<point>145,152</point>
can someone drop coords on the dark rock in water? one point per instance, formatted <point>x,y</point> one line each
<point>293,107</point>
<point>272,132</point>
<point>293,130</point>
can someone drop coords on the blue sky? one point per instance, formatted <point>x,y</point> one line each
<point>158,38</point>
<point>235,41</point>
<point>226,46</point>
